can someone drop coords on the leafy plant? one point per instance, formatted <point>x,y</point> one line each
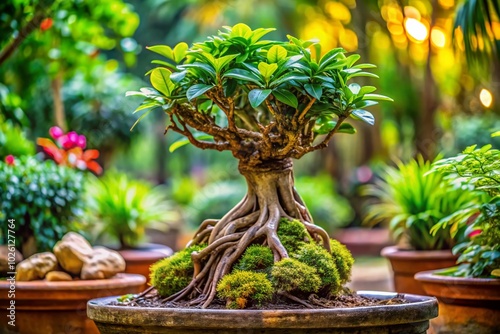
<point>412,201</point>
<point>267,102</point>
<point>122,208</point>
<point>43,199</point>
<point>13,141</point>
<point>480,252</point>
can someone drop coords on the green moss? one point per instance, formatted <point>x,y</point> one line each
<point>174,273</point>
<point>241,288</point>
<point>292,234</point>
<point>317,257</point>
<point>291,275</point>
<point>256,258</point>
<point>343,260</point>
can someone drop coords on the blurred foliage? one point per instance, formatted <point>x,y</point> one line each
<point>412,201</point>
<point>13,141</point>
<point>42,197</point>
<point>121,208</point>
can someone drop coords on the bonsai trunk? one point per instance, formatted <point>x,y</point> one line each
<point>255,220</point>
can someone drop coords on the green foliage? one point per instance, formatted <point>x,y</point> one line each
<point>343,260</point>
<point>122,208</point>
<point>256,258</point>
<point>13,141</point>
<point>477,168</point>
<point>290,275</point>
<point>413,200</point>
<point>42,197</point>
<point>292,234</point>
<point>317,257</point>
<point>328,208</point>
<point>242,288</point>
<point>174,273</point>
<point>267,80</point>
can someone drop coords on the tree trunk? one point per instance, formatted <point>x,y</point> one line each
<point>255,220</point>
<point>59,114</point>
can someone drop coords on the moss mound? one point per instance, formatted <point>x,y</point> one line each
<point>292,234</point>
<point>317,257</point>
<point>174,273</point>
<point>290,275</point>
<point>241,288</point>
<point>343,260</point>
<point>256,258</point>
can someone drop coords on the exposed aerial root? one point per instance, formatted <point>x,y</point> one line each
<point>254,220</point>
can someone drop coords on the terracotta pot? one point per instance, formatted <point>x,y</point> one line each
<point>43,307</point>
<point>406,263</point>
<point>138,260</point>
<point>408,318</point>
<point>466,305</point>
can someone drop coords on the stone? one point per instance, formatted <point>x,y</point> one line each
<point>56,276</point>
<point>72,252</point>
<point>36,267</point>
<point>104,263</point>
<point>9,255</point>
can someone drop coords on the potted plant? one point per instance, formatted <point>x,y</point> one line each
<point>120,208</point>
<point>412,200</point>
<point>40,201</point>
<point>267,102</point>
<point>469,293</point>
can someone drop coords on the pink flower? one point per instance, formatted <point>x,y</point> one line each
<point>10,160</point>
<point>56,132</point>
<point>475,233</point>
<point>81,142</point>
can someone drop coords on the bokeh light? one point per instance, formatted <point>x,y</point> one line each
<point>416,30</point>
<point>438,37</point>
<point>486,98</point>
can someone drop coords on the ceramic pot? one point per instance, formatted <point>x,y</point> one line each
<point>466,305</point>
<point>406,263</point>
<point>42,307</point>
<point>410,318</point>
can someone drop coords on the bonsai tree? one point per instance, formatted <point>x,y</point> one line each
<point>267,102</point>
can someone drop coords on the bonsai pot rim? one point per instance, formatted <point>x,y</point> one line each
<point>394,252</point>
<point>420,309</point>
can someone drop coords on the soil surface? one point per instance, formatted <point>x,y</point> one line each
<point>346,300</point>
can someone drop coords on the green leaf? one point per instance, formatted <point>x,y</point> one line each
<point>289,77</point>
<point>201,66</point>
<point>276,53</point>
<point>346,128</point>
<point>366,90</point>
<point>362,74</point>
<point>329,58</point>
<point>286,97</point>
<point>184,141</point>
<point>197,90</point>
<point>496,272</point>
<point>163,63</point>
<point>496,134</point>
<point>315,90</point>
<point>160,80</point>
<point>364,115</point>
<point>180,51</point>
<point>266,70</point>
<point>377,97</point>
<point>354,88</point>
<point>244,75</point>
<point>257,96</point>
<point>221,62</point>
<point>164,50</point>
<point>240,30</point>
<point>324,127</point>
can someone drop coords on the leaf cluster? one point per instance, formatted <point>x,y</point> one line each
<point>413,200</point>
<point>42,197</point>
<point>237,87</point>
<point>242,288</point>
<point>478,168</point>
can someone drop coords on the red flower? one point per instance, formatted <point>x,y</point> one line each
<point>475,233</point>
<point>10,160</point>
<point>56,132</point>
<point>46,24</point>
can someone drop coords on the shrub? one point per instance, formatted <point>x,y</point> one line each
<point>13,141</point>
<point>292,234</point>
<point>256,258</point>
<point>42,197</point>
<point>174,273</point>
<point>291,275</point>
<point>243,287</point>
<point>343,260</point>
<point>317,257</point>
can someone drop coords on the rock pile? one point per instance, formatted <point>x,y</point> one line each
<point>72,257</point>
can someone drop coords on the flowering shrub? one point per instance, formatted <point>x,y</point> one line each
<point>478,168</point>
<point>68,149</point>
